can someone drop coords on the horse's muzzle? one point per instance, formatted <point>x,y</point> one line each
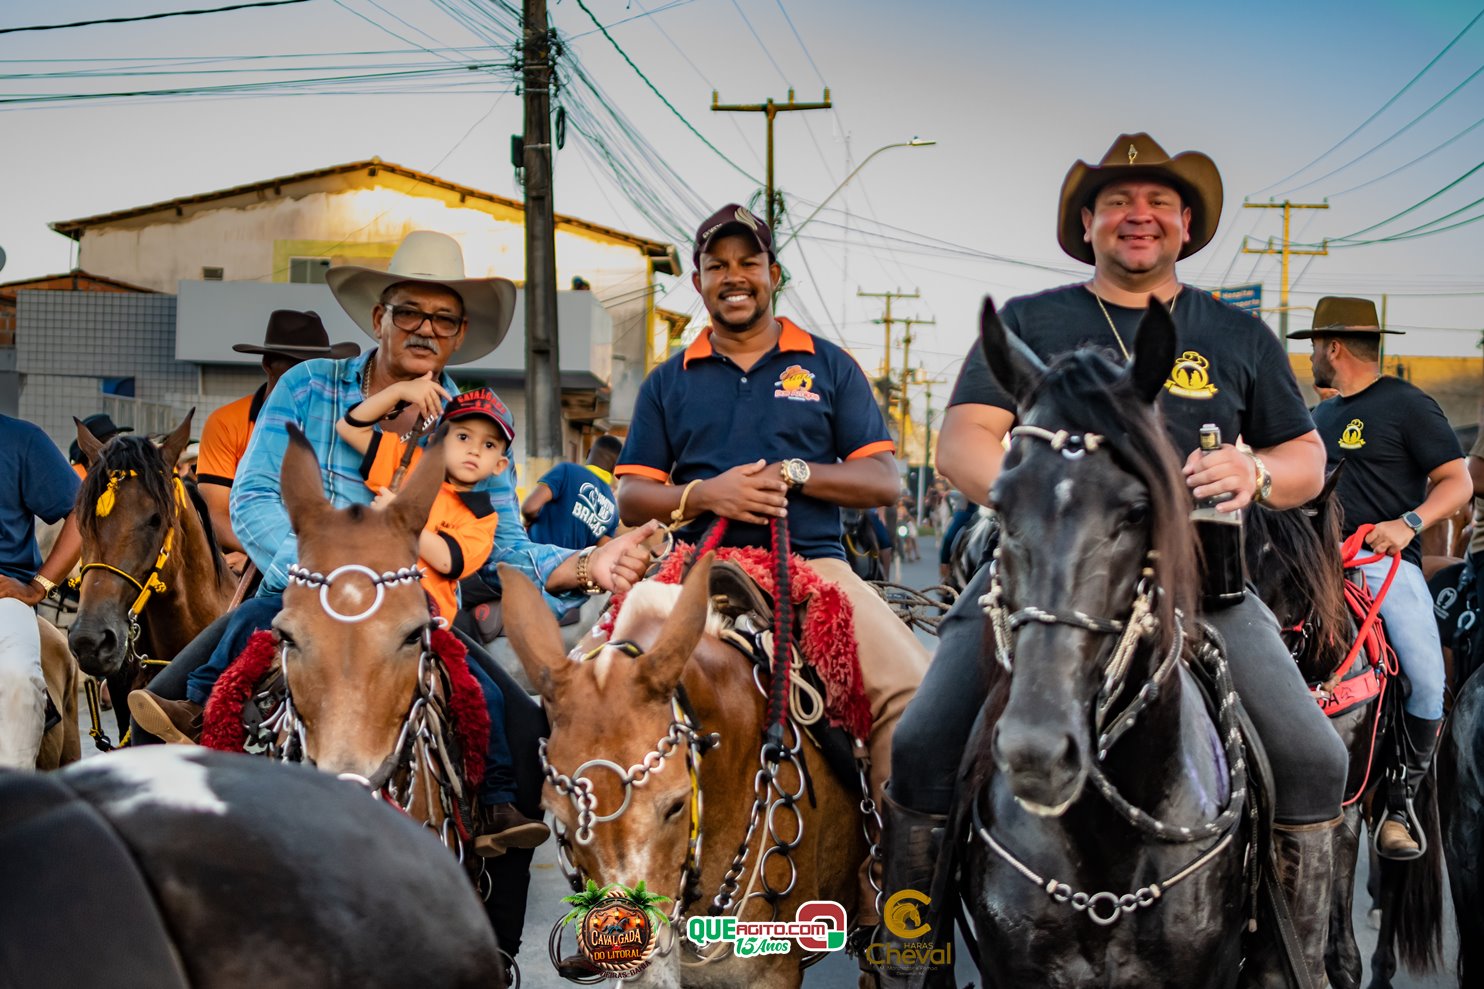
<point>99,647</point>
<point>1043,767</point>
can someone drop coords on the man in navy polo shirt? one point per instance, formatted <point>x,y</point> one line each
<point>758,420</point>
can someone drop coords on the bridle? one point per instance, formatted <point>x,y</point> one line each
<point>420,742</point>
<point>151,585</point>
<point>1142,624</point>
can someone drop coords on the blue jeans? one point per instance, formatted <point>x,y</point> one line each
<point>1413,633</point>
<point>498,785</point>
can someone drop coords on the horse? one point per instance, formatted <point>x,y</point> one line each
<point>971,547</point>
<point>666,690</point>
<point>1458,605</point>
<point>1295,561</point>
<point>372,689</point>
<point>152,576</point>
<point>217,871</point>
<point>1106,798</point>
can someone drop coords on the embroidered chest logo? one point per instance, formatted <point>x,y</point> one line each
<point>796,383</point>
<point>1191,377</point>
<point>1351,438</point>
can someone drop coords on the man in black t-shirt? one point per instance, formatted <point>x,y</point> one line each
<point>1132,216</point>
<point>1395,442</point>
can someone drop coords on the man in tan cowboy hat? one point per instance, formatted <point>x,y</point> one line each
<point>1404,470</point>
<point>1132,216</point>
<point>423,313</point>
<point>291,337</point>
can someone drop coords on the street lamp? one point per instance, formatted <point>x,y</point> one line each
<point>916,142</point>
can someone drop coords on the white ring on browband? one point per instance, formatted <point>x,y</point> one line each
<point>324,593</point>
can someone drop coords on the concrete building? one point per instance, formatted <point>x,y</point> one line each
<point>219,262</point>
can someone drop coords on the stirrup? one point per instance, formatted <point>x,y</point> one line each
<point>1408,816</point>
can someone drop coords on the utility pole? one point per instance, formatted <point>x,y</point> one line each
<point>772,108</point>
<point>543,355</point>
<point>886,320</point>
<point>1286,250</point>
<point>907,377</point>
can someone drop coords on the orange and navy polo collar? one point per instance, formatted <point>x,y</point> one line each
<point>790,339</point>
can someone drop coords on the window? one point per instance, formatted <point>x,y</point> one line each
<point>308,271</point>
<point>123,387</point>
<point>212,274</point>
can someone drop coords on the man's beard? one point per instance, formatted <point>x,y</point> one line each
<point>720,321</point>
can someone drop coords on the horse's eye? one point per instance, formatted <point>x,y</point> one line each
<point>675,809</point>
<point>286,639</point>
<point>413,638</point>
<point>155,520</point>
<point>1136,516</point>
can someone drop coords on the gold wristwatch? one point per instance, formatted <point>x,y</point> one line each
<point>46,585</point>
<point>795,473</point>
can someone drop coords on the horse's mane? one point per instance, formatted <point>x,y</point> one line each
<point>140,455</point>
<point>1294,558</point>
<point>1087,391</point>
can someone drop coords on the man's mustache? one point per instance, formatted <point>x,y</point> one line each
<point>422,343</point>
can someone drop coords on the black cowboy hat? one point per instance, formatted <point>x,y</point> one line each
<point>298,335</point>
<point>101,425</point>
<point>1139,156</point>
<point>1342,316</point>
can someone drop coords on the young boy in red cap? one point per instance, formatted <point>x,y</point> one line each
<point>454,543</point>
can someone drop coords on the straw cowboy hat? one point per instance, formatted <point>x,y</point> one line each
<point>435,258</point>
<point>1138,156</point>
<point>297,335</point>
<point>1339,316</point>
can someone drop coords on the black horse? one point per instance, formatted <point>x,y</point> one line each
<point>216,871</point>
<point>1296,564</point>
<point>1458,603</point>
<point>1107,797</point>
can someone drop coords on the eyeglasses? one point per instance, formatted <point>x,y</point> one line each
<point>410,318</point>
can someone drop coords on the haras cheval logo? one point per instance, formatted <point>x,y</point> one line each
<point>617,927</point>
<point>914,948</point>
<point>1352,438</point>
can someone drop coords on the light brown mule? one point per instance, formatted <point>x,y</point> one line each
<point>353,682</point>
<point>141,529</point>
<point>618,707</point>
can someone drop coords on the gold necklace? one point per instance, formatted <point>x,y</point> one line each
<point>419,426</point>
<point>1118,336</point>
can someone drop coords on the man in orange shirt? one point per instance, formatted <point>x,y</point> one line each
<point>291,337</point>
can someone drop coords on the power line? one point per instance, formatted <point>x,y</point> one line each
<point>1425,155</point>
<point>1384,107</point>
<point>149,17</point>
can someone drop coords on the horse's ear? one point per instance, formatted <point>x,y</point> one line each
<point>1014,365</point>
<point>1154,351</point>
<point>1330,483</point>
<point>533,633</point>
<point>303,489</point>
<point>421,486</point>
<point>87,442</point>
<point>176,442</point>
<point>663,664</point>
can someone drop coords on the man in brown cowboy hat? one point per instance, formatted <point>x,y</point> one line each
<point>1404,470</point>
<point>1132,216</point>
<point>291,337</point>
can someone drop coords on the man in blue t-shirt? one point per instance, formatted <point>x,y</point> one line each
<point>1404,470</point>
<point>573,504</point>
<point>757,420</point>
<point>35,480</point>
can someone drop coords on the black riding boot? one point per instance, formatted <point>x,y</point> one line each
<point>1395,839</point>
<point>910,842</point>
<point>1304,858</point>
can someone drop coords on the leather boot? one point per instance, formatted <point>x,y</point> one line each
<point>174,722</point>
<point>910,842</point>
<point>1303,855</point>
<point>1395,839</point>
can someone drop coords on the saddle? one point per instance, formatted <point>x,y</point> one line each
<point>748,611</point>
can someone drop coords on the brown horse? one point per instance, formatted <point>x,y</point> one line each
<point>367,698</point>
<point>152,576</point>
<point>649,700</point>
<point>60,743</point>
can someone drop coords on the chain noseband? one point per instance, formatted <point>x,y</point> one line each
<point>381,581</point>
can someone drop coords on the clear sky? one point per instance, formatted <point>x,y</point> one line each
<point>1012,92</point>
